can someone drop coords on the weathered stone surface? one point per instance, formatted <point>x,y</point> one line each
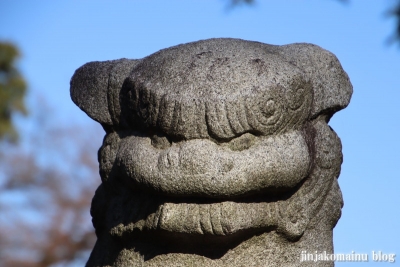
<point>217,153</point>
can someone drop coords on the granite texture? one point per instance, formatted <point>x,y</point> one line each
<point>217,153</point>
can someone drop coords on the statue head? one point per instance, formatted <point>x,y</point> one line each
<point>215,142</point>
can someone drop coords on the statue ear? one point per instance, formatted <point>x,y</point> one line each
<point>95,88</point>
<point>331,85</point>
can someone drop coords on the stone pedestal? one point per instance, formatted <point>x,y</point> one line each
<point>217,153</point>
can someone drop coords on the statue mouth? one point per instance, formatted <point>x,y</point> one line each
<point>216,227</point>
<point>212,221</point>
<point>202,168</point>
<point>225,177</point>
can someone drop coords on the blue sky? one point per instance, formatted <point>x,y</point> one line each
<point>56,37</point>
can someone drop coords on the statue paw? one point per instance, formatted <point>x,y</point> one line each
<point>293,219</point>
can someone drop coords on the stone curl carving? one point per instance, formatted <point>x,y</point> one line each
<point>217,153</point>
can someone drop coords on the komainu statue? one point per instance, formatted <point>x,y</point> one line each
<point>216,153</point>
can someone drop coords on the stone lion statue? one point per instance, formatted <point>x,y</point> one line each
<point>216,153</point>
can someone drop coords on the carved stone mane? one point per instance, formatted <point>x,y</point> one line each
<point>217,153</point>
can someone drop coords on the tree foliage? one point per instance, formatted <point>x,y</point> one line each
<point>394,12</point>
<point>45,195</point>
<point>47,180</point>
<point>12,91</point>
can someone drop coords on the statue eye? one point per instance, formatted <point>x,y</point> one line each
<point>160,141</point>
<point>243,142</point>
<point>269,108</point>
